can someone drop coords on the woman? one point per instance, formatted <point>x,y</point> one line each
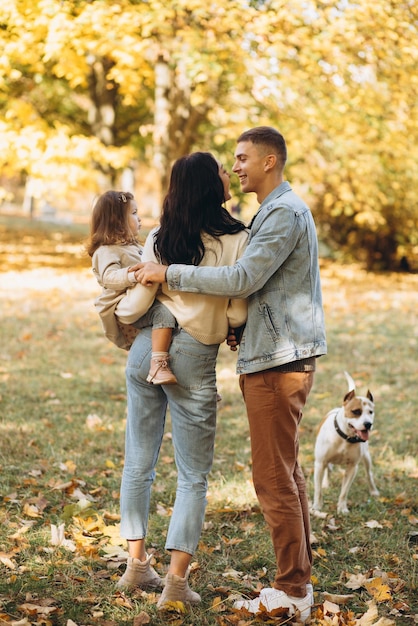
<point>195,228</point>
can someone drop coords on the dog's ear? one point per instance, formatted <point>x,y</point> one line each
<point>350,381</point>
<point>369,395</point>
<point>349,396</point>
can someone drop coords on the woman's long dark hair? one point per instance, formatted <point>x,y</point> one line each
<point>192,207</point>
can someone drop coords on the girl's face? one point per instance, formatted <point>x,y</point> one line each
<point>134,220</point>
<point>225,178</point>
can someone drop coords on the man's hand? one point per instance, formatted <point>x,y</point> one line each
<point>234,337</point>
<point>149,273</point>
<point>135,267</point>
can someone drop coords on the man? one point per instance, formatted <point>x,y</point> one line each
<point>284,334</point>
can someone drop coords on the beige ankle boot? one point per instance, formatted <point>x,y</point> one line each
<point>177,589</point>
<point>139,574</point>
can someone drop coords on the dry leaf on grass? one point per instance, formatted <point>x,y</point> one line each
<point>338,598</point>
<point>122,600</point>
<point>31,510</point>
<point>331,608</point>
<point>58,538</point>
<point>7,562</point>
<point>175,607</point>
<point>378,589</point>
<point>114,553</point>
<point>218,605</point>
<point>356,581</point>
<point>142,618</point>
<point>232,573</point>
<point>37,609</point>
<point>231,542</point>
<point>369,618</point>
<point>373,524</point>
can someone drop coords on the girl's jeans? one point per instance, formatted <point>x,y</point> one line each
<point>192,404</point>
<point>274,402</point>
<point>157,316</point>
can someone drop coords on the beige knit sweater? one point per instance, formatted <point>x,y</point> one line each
<point>206,318</point>
<point>110,266</point>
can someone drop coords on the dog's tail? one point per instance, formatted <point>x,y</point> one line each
<point>350,381</point>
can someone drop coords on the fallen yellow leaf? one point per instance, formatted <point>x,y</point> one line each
<point>31,510</point>
<point>175,607</point>
<point>378,589</point>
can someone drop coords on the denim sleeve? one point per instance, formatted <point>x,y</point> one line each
<point>273,237</point>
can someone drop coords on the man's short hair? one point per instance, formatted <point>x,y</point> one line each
<point>268,137</point>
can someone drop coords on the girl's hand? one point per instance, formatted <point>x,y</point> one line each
<point>149,273</point>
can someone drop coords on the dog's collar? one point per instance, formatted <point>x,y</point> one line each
<point>355,439</point>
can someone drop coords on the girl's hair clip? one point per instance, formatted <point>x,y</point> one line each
<point>123,198</point>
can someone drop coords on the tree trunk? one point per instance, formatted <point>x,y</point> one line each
<point>102,111</point>
<point>161,157</point>
<point>176,121</point>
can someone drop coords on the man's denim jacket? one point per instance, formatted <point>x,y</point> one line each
<point>279,274</point>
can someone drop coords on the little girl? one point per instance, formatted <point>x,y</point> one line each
<point>114,249</point>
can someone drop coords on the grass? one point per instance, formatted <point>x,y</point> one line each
<point>62,412</point>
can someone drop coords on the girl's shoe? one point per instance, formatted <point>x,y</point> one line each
<point>160,372</point>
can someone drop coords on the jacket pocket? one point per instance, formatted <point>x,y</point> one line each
<point>270,322</point>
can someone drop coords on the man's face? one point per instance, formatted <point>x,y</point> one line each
<point>249,166</point>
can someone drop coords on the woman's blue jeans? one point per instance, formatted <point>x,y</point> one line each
<point>192,405</point>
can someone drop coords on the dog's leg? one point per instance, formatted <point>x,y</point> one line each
<point>319,470</point>
<point>348,478</point>
<point>367,460</point>
<point>325,480</point>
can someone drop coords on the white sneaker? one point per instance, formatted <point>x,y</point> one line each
<point>272,599</point>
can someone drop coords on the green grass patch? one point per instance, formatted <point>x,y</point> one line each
<point>62,419</point>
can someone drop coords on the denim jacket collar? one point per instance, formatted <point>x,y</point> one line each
<point>284,187</point>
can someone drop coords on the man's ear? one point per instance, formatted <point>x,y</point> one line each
<point>270,162</point>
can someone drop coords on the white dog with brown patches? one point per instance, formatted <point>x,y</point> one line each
<point>343,440</point>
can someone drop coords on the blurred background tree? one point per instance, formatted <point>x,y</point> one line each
<point>91,90</point>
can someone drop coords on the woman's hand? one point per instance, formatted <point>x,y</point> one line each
<point>149,273</point>
<point>234,337</point>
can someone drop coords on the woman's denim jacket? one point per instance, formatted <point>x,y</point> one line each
<point>279,274</point>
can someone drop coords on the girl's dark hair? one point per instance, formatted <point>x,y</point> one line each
<point>192,207</point>
<point>109,222</point>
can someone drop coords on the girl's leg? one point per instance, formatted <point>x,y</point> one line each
<point>157,316</point>
<point>161,340</point>
<point>162,322</point>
